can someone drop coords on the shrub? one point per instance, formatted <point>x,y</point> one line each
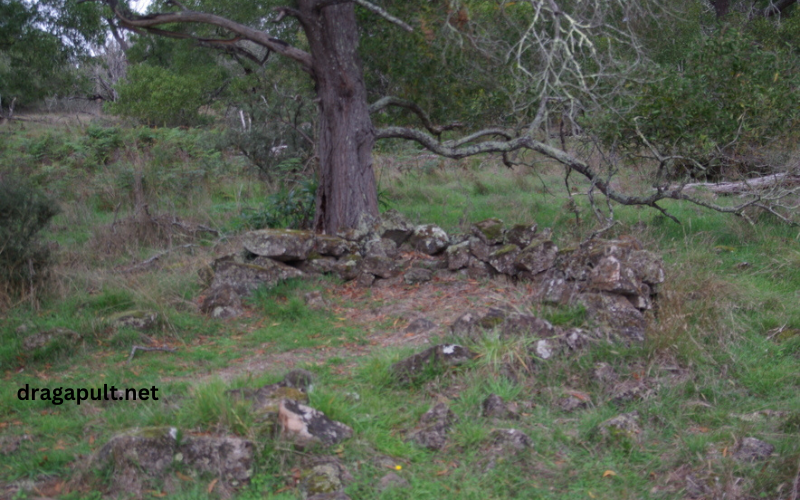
<point>24,211</point>
<point>288,208</point>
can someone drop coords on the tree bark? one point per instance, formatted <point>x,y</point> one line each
<point>347,188</point>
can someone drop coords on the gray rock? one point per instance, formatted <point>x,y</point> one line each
<point>305,425</point>
<point>477,269</point>
<point>489,231</point>
<point>381,267</point>
<point>521,235</point>
<point>365,280</point>
<point>438,357</point>
<point>610,275</point>
<point>537,257</point>
<point>624,427</point>
<point>226,457</point>
<point>327,476</point>
<point>545,348</point>
<point>380,247</point>
<point>503,259</point>
<point>347,267</point>
<point>510,440</point>
<point>479,249</point>
<point>245,276</point>
<point>420,325</point>
<point>222,301</point>
<point>285,245</point>
<point>45,338</point>
<point>367,227</point>
<point>494,407</point>
<point>429,239</point>
<point>647,266</point>
<point>392,480</point>
<point>332,246</point>
<point>319,265</point>
<point>395,227</point>
<point>433,428</point>
<point>417,275</point>
<point>527,325</point>
<point>458,256</point>
<point>315,300</point>
<point>751,449</point>
<point>616,312</point>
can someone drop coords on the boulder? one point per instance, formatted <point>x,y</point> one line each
<point>555,289</point>
<point>395,227</point>
<point>222,302</point>
<point>479,249</point>
<point>367,227</point>
<point>438,357</point>
<point>420,325</point>
<point>537,257</point>
<point>325,476</point>
<point>648,267</point>
<point>380,247</point>
<point>416,275</point>
<point>521,235</point>
<point>319,265</point>
<point>347,267</point>
<point>611,275</point>
<point>381,267</point>
<point>245,276</point>
<point>751,449</point>
<point>458,256</point>
<point>49,337</point>
<point>429,239</point>
<point>503,259</point>
<point>332,246</point>
<point>433,427</point>
<point>305,425</point>
<point>136,319</point>
<point>489,231</point>
<point>616,312</point>
<point>365,280</point>
<point>477,269</point>
<point>494,407</point>
<point>285,245</point>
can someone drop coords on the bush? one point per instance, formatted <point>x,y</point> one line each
<point>158,97</point>
<point>24,211</point>
<point>288,208</point>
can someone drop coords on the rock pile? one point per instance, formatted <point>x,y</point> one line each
<point>614,280</point>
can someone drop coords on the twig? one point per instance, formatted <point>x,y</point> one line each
<point>142,348</point>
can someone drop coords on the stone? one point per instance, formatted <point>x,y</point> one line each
<point>315,300</point>
<point>477,269</point>
<point>285,245</point>
<point>365,280</point>
<point>578,264</point>
<point>537,257</point>
<point>347,267</point>
<point>366,227</point>
<point>751,449</point>
<point>420,325</point>
<point>521,235</point>
<point>305,425</point>
<point>438,357</point>
<point>318,265</point>
<point>332,246</point>
<point>245,276</point>
<point>139,457</point>
<point>603,372</point>
<point>298,379</point>
<point>392,480</point>
<point>545,349</point>
<point>458,256</point>
<point>432,264</point>
<point>527,325</point>
<point>576,338</point>
<point>429,239</point>
<point>494,407</point>
<point>503,259</point>
<point>380,247</point>
<point>623,427</point>
<point>433,427</point>
<point>573,400</point>
<point>616,312</point>
<point>222,302</point>
<point>489,231</point>
<point>326,476</point>
<point>417,275</point>
<point>48,337</point>
<point>395,227</point>
<point>554,289</point>
<point>135,319</point>
<point>610,275</point>
<point>465,326</point>
<point>648,266</point>
<point>381,267</point>
<point>510,439</point>
<point>479,249</point>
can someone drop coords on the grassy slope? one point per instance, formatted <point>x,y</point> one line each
<point>726,342</point>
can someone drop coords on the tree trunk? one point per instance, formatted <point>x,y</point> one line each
<point>347,187</point>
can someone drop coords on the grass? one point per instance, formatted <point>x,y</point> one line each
<point>723,346</point>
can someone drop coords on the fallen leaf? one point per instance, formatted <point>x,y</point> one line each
<point>91,439</point>
<point>609,473</point>
<point>159,494</point>
<point>591,495</point>
<point>184,477</point>
<point>211,485</point>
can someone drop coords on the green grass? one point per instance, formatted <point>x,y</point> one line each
<point>723,345</point>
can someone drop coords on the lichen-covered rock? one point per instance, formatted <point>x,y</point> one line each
<point>503,259</point>
<point>395,227</point>
<point>537,257</point>
<point>578,264</point>
<point>305,425</point>
<point>319,265</point>
<point>420,325</point>
<point>333,246</point>
<point>616,312</point>
<point>347,267</point>
<point>365,280</point>
<point>227,457</point>
<point>136,319</point>
<point>611,275</point>
<point>429,239</point>
<point>285,245</point>
<point>494,407</point>
<point>326,476</point>
<point>647,266</point>
<point>244,277</point>
<point>47,337</point>
<point>545,348</point>
<point>477,269</point>
<point>380,247</point>
<point>417,275</point>
<point>438,357</point>
<point>433,427</point>
<point>489,231</point>
<point>623,428</point>
<point>521,235</point>
<point>458,256</point>
<point>751,449</point>
<point>222,302</point>
<point>381,267</point>
<point>366,227</point>
<point>479,249</point>
<point>555,289</point>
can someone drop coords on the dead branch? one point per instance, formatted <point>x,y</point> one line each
<point>744,187</point>
<point>387,101</point>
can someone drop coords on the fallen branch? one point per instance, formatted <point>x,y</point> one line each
<point>142,348</point>
<point>743,187</point>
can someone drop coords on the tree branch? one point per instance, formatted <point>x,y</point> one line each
<point>778,7</point>
<point>387,101</point>
<point>149,22</point>
<point>370,7</point>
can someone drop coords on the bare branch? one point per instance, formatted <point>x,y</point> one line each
<point>387,101</point>
<point>778,7</point>
<point>370,7</point>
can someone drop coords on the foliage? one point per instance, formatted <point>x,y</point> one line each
<point>24,212</point>
<point>158,97</point>
<point>291,208</point>
<point>731,93</point>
